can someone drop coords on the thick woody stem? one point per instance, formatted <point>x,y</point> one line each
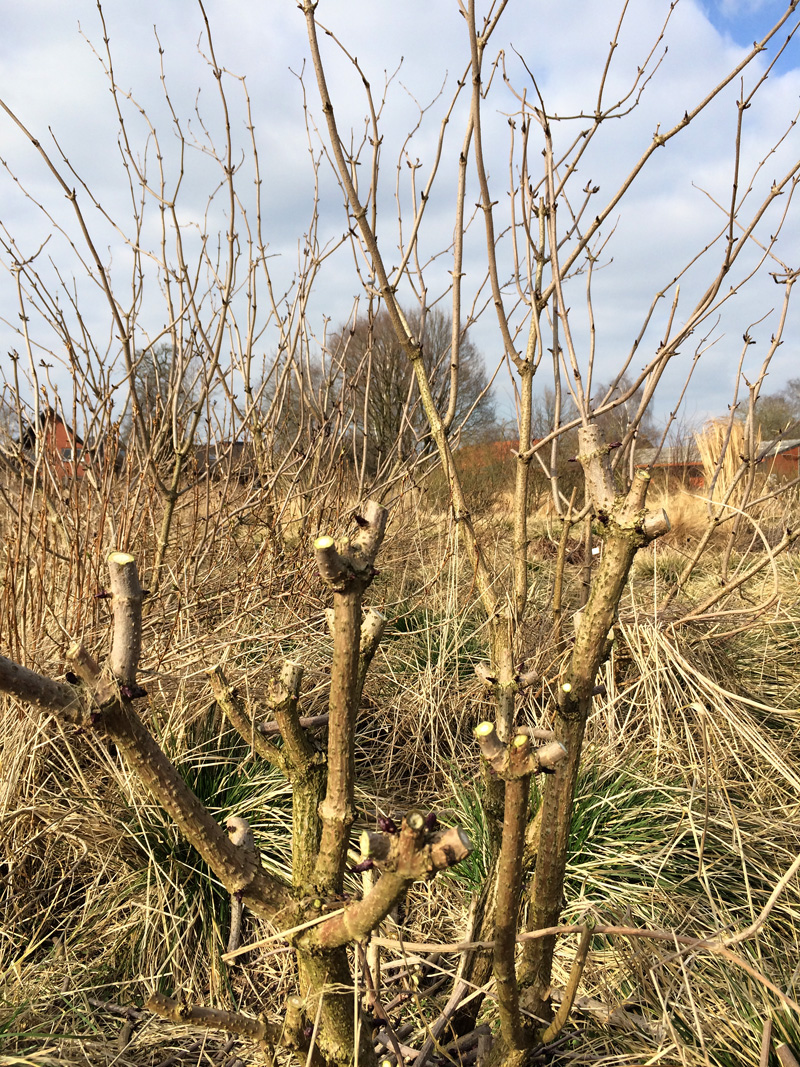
<point>372,627</point>
<point>284,699</point>
<point>126,606</point>
<point>593,456</point>
<point>412,855</point>
<point>241,835</point>
<point>262,893</point>
<point>624,535</point>
<point>239,873</point>
<point>509,888</point>
<point>266,1034</point>
<point>348,574</point>
<point>118,721</point>
<point>306,771</point>
<point>372,528</point>
<point>33,688</point>
<point>336,810</point>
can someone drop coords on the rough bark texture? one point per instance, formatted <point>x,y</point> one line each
<point>509,888</point>
<point>621,523</point>
<point>101,700</point>
<point>33,688</point>
<point>414,854</point>
<point>304,765</point>
<point>126,604</point>
<point>260,892</point>
<point>336,810</point>
<point>118,721</point>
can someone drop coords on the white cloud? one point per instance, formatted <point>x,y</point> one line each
<point>52,79</point>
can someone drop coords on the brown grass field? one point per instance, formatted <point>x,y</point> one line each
<point>687,817</point>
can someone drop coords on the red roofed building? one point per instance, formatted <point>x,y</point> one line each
<point>63,448</point>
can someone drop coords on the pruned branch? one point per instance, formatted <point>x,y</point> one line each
<point>126,605</point>
<point>267,1035</point>
<point>116,719</point>
<point>348,573</point>
<point>233,707</point>
<point>413,854</point>
<point>517,759</point>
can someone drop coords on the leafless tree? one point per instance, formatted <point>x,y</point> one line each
<point>390,427</point>
<point>544,236</point>
<point>555,234</point>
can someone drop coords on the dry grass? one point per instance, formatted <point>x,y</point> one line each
<point>687,812</point>
<point>721,445</point>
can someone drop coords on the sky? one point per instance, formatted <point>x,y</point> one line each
<point>52,76</point>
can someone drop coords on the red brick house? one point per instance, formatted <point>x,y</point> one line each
<point>64,450</point>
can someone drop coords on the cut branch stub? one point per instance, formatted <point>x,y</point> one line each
<point>656,524</point>
<point>517,759</point>
<point>104,691</point>
<point>356,560</point>
<point>539,733</point>
<point>449,847</point>
<point>375,845</point>
<point>550,755</point>
<point>410,855</point>
<point>593,456</point>
<point>413,852</point>
<point>372,527</point>
<point>287,689</point>
<point>492,748</point>
<point>332,567</point>
<point>486,675</point>
<point>632,512</point>
<point>527,678</point>
<point>635,500</point>
<point>372,627</point>
<point>240,833</point>
<point>519,753</point>
<point>126,605</point>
